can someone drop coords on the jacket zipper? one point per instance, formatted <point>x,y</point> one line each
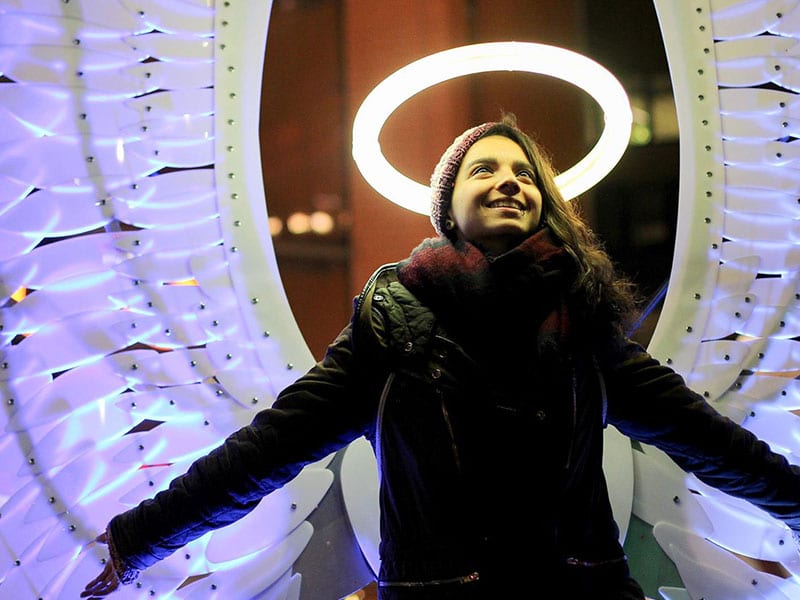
<point>475,576</point>
<point>574,399</point>
<point>445,413</point>
<point>453,445</point>
<point>579,562</point>
<point>379,421</point>
<point>603,394</point>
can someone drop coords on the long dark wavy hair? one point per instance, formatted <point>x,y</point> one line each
<point>601,293</point>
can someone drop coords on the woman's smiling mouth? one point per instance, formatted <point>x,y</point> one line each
<point>507,203</point>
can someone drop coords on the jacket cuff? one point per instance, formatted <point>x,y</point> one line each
<point>125,573</point>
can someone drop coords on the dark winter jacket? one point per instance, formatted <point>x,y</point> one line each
<point>480,484</point>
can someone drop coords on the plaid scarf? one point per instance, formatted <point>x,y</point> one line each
<point>508,312</point>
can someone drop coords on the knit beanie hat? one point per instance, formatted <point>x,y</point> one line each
<point>443,178</point>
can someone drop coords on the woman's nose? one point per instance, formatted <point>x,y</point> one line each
<point>508,186</point>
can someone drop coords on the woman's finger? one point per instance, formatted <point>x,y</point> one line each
<point>102,585</point>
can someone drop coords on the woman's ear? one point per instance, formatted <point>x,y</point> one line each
<point>449,221</point>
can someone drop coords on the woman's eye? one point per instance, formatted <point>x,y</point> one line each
<point>526,174</point>
<point>481,169</point>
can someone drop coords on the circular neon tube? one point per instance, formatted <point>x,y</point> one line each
<point>530,57</point>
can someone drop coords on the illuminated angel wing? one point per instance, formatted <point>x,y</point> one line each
<point>731,318</point>
<point>143,318</point>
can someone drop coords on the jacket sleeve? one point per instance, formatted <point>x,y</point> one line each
<point>651,403</point>
<point>321,412</point>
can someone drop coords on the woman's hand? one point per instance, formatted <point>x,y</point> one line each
<point>106,582</point>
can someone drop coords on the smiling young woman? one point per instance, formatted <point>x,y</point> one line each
<point>494,355</point>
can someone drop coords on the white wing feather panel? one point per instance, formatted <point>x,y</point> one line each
<point>143,318</point>
<point>730,320</point>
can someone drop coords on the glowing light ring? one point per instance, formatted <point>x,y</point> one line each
<point>426,72</point>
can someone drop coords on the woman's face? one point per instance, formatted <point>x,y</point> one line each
<point>496,203</point>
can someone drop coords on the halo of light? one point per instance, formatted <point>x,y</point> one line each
<point>531,57</point>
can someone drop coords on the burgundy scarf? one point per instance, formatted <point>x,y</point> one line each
<point>508,312</point>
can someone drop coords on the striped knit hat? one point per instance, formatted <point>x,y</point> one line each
<point>443,178</point>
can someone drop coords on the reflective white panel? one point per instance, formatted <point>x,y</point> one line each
<point>774,257</point>
<point>744,19</point>
<point>52,214</point>
<point>713,572</point>
<point>173,47</point>
<point>758,101</point>
<point>103,12</point>
<point>176,16</point>
<point>275,516</point>
<point>767,201</point>
<point>28,30</point>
